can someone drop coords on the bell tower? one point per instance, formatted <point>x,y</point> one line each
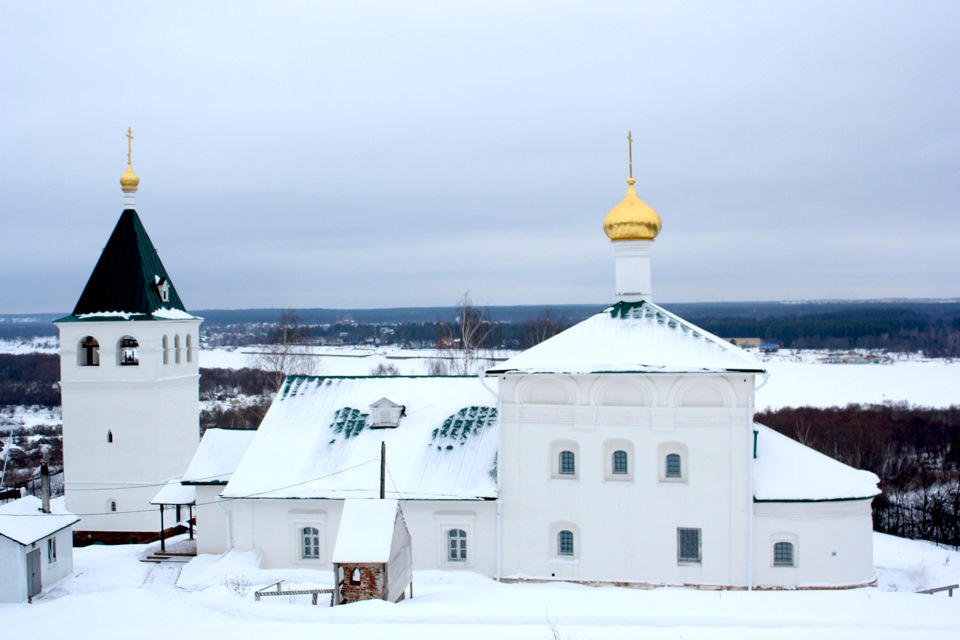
<point>129,377</point>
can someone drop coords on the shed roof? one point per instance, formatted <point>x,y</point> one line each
<point>174,492</point>
<point>632,337</point>
<point>123,285</point>
<point>787,471</point>
<point>217,456</point>
<point>366,531</point>
<point>23,521</point>
<point>314,441</point>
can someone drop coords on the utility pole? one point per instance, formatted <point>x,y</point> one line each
<point>383,469</point>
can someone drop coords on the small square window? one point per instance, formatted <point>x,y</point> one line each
<point>783,554</point>
<point>688,546</point>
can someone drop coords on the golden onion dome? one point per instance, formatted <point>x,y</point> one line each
<point>632,219</point>
<point>129,180</point>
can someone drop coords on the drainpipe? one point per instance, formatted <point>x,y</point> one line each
<point>753,492</point>
<point>227,516</point>
<point>481,376</point>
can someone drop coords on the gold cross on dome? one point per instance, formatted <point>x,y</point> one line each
<point>630,147</point>
<point>129,144</point>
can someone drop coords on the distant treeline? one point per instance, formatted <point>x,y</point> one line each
<point>908,326</point>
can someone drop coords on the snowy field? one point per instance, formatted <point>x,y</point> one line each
<point>114,595</point>
<point>796,378</point>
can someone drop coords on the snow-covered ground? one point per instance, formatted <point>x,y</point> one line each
<point>113,595</point>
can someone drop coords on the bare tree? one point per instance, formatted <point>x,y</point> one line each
<point>288,354</point>
<point>462,347</point>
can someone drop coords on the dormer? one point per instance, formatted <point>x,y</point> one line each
<point>386,414</point>
<point>163,288</point>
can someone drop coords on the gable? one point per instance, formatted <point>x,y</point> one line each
<point>632,337</point>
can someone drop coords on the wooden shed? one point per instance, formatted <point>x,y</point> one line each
<point>372,558</point>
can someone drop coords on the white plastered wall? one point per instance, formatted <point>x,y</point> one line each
<point>273,528</point>
<point>626,528</point>
<point>833,543</point>
<point>151,412</point>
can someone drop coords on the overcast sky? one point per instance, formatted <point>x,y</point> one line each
<point>375,154</point>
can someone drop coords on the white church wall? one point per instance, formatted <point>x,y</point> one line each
<point>212,515</point>
<point>832,543</point>
<point>625,526</point>
<point>127,429</point>
<point>275,529</point>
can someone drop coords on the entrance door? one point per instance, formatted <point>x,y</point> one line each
<point>33,573</point>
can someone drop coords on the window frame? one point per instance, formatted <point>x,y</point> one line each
<point>566,544</point>
<point>557,449</point>
<point>683,545</point>
<point>457,535</point>
<point>52,550</point>
<point>310,543</point>
<point>299,520</point>
<point>664,451</point>
<point>447,521</point>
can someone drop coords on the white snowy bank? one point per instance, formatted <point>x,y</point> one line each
<point>113,595</point>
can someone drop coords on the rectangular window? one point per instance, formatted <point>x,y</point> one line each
<point>688,545</point>
<point>458,545</point>
<point>51,550</point>
<point>673,465</point>
<point>310,537</point>
<point>567,463</point>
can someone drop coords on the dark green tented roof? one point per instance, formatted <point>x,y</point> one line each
<point>125,278</point>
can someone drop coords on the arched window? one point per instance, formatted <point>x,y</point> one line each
<point>109,436</point>
<point>673,469</point>
<point>565,543</point>
<point>310,536</point>
<point>166,350</point>
<point>568,464</point>
<point>620,462</point>
<point>89,352</point>
<point>176,349</point>
<point>457,545</point>
<point>112,505</point>
<point>783,554</point>
<point>129,351</point>
<point>189,348</point>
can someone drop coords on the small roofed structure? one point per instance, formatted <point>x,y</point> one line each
<point>177,495</point>
<point>36,547</point>
<point>372,559</point>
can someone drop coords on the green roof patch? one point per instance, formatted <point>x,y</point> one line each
<point>348,421</point>
<point>460,426</point>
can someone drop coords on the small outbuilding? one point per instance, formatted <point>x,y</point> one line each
<point>372,559</point>
<point>36,548</point>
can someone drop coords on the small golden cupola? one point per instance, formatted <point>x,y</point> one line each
<point>129,182</point>
<point>632,219</point>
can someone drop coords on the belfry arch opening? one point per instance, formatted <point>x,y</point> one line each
<point>88,355</point>
<point>128,351</point>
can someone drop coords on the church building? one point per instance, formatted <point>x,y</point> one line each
<point>620,451</point>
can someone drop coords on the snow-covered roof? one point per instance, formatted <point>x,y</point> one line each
<point>175,493</point>
<point>787,471</point>
<point>218,455</point>
<point>23,521</point>
<point>314,441</point>
<point>632,337</point>
<point>366,531</point>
